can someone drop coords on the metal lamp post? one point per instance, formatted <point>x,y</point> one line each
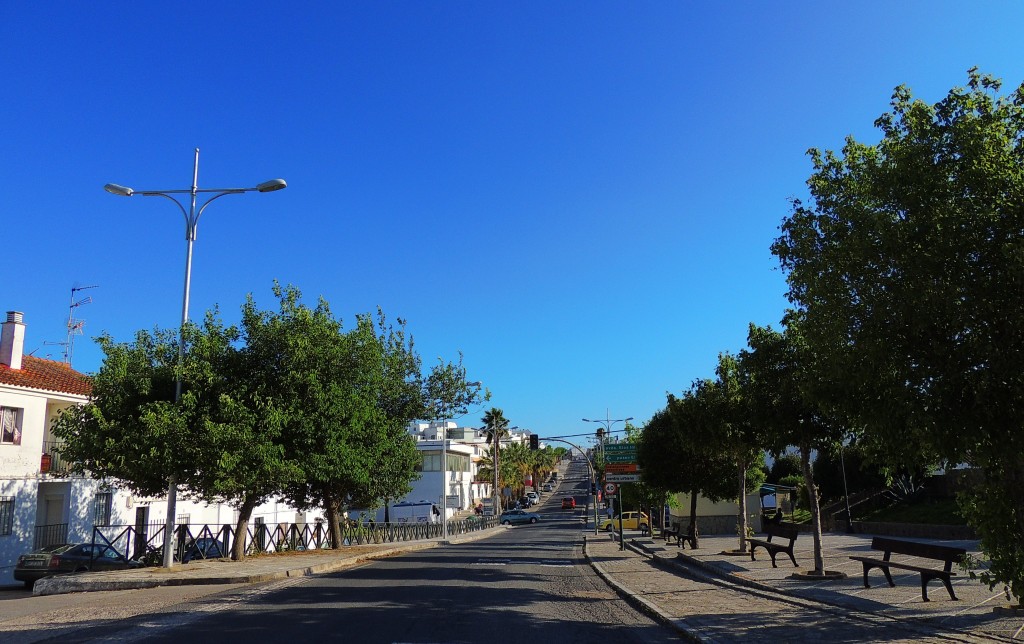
<point>191,222</point>
<point>445,486</point>
<point>607,426</point>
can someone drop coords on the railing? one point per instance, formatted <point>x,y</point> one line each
<point>54,534</point>
<point>51,462</point>
<point>195,541</point>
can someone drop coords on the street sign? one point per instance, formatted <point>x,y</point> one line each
<point>621,468</point>
<point>610,488</point>
<point>622,478</point>
<point>620,457</point>
<point>620,453</point>
<point>620,447</point>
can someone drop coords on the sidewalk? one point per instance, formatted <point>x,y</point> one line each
<point>684,588</point>
<point>253,570</point>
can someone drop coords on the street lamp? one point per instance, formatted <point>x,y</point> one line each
<point>191,222</point>
<point>445,485</point>
<point>603,433</point>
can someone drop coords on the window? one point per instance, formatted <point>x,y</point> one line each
<point>6,514</point>
<point>101,505</point>
<point>10,425</point>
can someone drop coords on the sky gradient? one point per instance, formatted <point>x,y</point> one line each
<point>579,196</point>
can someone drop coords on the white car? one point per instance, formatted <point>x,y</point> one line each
<point>547,487</point>
<point>534,497</point>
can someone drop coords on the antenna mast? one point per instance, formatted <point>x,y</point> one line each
<point>75,326</point>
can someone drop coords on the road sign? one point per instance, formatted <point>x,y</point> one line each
<point>621,468</point>
<point>620,457</point>
<point>622,478</point>
<point>610,488</point>
<point>620,447</point>
<point>620,453</point>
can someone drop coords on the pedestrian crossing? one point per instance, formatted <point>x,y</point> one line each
<point>544,563</point>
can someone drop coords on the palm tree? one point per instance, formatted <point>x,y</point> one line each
<point>496,428</point>
<point>543,462</point>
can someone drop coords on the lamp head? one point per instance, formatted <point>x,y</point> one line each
<point>120,191</point>
<point>272,185</point>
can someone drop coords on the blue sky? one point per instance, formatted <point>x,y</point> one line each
<point>579,196</point>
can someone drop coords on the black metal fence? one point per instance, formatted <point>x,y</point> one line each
<point>53,534</point>
<point>205,541</point>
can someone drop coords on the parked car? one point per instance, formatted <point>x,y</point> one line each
<point>533,496</point>
<point>517,517</point>
<point>569,503</point>
<point>630,521</point>
<point>547,487</point>
<point>525,502</point>
<point>205,548</point>
<point>74,557</point>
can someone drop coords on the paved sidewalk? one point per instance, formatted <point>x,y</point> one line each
<point>685,589</point>
<point>253,570</point>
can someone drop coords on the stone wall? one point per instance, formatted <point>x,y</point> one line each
<point>910,530</point>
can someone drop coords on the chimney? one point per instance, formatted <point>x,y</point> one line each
<point>12,340</point>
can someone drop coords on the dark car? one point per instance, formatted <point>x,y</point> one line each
<point>74,557</point>
<point>201,548</point>
<point>205,548</point>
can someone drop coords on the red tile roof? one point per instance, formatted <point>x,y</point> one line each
<point>49,375</point>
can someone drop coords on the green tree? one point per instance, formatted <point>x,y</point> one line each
<point>131,430</point>
<point>779,365</point>
<point>730,429</point>
<point>674,456</point>
<point>907,265</point>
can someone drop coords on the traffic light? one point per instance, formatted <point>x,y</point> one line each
<point>534,441</point>
<point>593,488</point>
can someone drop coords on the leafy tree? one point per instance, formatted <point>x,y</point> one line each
<point>861,474</point>
<point>778,366</point>
<point>246,464</point>
<point>907,265</point>
<point>131,430</point>
<point>728,427</point>
<point>784,465</point>
<point>675,457</point>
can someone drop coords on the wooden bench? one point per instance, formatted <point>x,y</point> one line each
<point>946,554</point>
<point>781,530</point>
<point>681,536</point>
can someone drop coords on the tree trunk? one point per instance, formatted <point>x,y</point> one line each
<point>741,522</point>
<point>812,495</point>
<point>497,479</point>
<point>387,511</point>
<point>333,509</point>
<point>692,533</point>
<point>242,527</point>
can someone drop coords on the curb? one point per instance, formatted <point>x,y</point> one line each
<point>638,602</point>
<point>686,564</point>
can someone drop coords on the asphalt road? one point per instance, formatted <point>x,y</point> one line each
<point>529,583</point>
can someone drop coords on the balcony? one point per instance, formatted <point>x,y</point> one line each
<point>52,462</point>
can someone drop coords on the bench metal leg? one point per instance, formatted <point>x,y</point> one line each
<point>884,569</point>
<point>925,578</point>
<point>792,558</point>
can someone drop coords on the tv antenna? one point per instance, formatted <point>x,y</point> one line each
<point>75,326</point>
